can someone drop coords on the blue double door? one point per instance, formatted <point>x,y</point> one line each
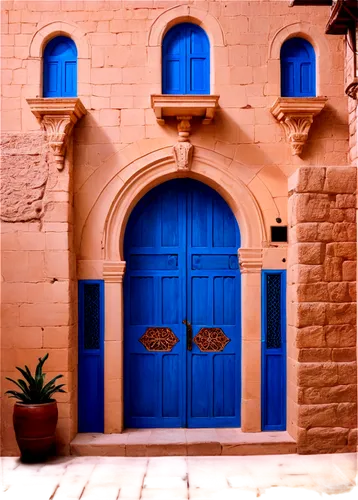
<point>182,300</point>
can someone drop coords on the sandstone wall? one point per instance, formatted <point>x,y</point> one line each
<point>117,75</point>
<point>38,310</point>
<point>322,309</point>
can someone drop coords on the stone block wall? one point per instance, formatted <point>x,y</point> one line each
<point>38,279</point>
<point>322,370</point>
<point>118,72</point>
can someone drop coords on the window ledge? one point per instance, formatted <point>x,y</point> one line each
<point>171,105</point>
<point>296,115</point>
<point>57,117</point>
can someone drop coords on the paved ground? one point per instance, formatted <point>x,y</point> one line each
<point>289,477</point>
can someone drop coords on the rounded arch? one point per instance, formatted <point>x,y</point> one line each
<point>59,28</point>
<point>107,216</point>
<point>319,43</point>
<point>186,14</point>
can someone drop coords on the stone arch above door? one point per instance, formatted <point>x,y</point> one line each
<point>107,198</point>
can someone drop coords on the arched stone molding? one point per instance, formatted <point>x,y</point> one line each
<point>320,45</point>
<point>187,14</point>
<point>38,43</point>
<point>106,199</point>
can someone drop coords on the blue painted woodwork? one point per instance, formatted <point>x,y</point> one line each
<point>298,68</point>
<point>91,356</point>
<point>181,247</point>
<point>186,60</point>
<point>273,366</point>
<point>60,68</point>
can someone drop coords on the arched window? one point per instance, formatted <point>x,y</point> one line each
<point>186,60</point>
<point>60,68</point>
<point>298,68</point>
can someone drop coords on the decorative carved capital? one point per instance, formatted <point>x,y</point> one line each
<point>296,115</point>
<point>250,260</point>
<point>58,129</point>
<point>57,116</point>
<point>183,154</point>
<point>113,272</point>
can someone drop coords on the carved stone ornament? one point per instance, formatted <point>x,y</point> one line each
<point>211,340</point>
<point>57,117</point>
<point>183,154</point>
<point>159,339</point>
<point>296,115</point>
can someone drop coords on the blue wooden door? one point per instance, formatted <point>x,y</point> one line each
<point>186,60</point>
<point>60,68</point>
<point>298,68</point>
<point>182,310</point>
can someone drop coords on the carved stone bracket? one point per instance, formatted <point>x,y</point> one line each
<point>296,115</point>
<point>250,260</point>
<point>57,117</point>
<point>184,108</point>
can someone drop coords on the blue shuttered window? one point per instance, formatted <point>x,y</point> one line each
<point>273,370</point>
<point>91,356</point>
<point>298,68</point>
<point>60,68</point>
<point>186,60</point>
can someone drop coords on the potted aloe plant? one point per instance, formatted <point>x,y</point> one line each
<point>35,412</point>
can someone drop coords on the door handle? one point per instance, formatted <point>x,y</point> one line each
<point>189,335</point>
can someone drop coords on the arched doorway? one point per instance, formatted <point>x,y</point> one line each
<point>182,306</point>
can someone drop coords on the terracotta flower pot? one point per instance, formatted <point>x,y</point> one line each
<point>35,427</point>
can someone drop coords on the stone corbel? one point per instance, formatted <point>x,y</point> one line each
<point>57,117</point>
<point>250,260</point>
<point>183,149</point>
<point>296,116</point>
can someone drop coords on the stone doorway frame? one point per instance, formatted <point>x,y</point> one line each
<point>107,219</point>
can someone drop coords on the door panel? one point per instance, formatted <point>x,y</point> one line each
<point>213,302</point>
<point>182,266</point>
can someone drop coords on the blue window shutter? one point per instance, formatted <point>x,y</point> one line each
<point>60,68</point>
<point>298,68</point>
<point>186,60</point>
<point>273,365</point>
<point>91,356</point>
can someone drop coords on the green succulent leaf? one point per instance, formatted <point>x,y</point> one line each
<point>33,388</point>
<point>17,395</point>
<point>26,376</point>
<point>49,384</point>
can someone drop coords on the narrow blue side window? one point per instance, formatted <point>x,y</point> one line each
<point>273,370</point>
<point>60,68</point>
<point>186,60</point>
<point>298,68</point>
<point>91,356</point>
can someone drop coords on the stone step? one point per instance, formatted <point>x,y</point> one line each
<point>182,442</point>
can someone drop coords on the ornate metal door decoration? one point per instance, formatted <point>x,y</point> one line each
<point>159,339</point>
<point>211,340</point>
